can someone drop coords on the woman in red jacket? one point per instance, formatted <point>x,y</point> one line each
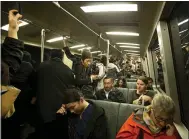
<point>152,122</point>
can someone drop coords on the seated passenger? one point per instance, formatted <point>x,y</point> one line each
<point>152,122</point>
<point>121,83</point>
<point>141,96</point>
<point>109,92</point>
<point>150,82</point>
<point>86,120</point>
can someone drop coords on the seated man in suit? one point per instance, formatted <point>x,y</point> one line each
<point>109,92</point>
<point>85,119</point>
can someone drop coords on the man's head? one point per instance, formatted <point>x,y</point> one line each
<point>75,101</point>
<point>56,53</point>
<point>150,81</point>
<point>108,83</point>
<point>86,58</point>
<point>103,60</point>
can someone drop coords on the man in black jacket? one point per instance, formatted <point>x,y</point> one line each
<point>11,58</point>
<point>86,120</point>
<point>53,78</point>
<point>82,70</point>
<point>110,93</point>
<point>12,48</point>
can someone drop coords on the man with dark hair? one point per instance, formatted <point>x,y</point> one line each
<point>52,79</point>
<point>109,92</point>
<point>150,82</point>
<point>82,70</point>
<point>11,59</point>
<point>89,121</point>
<point>56,53</point>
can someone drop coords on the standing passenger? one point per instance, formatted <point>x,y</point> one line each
<point>53,78</point>
<point>82,70</point>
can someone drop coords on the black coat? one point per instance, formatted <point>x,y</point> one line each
<point>52,78</point>
<point>82,74</point>
<point>96,127</point>
<point>11,58</point>
<point>115,95</point>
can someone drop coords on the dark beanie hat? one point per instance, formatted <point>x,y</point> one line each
<point>73,95</point>
<point>56,53</point>
<point>86,54</point>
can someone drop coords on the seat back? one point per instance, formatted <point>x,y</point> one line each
<point>125,93</point>
<point>131,80</point>
<point>116,114</point>
<point>131,85</point>
<point>125,110</point>
<point>111,113</point>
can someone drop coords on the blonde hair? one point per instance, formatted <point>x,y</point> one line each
<point>163,104</point>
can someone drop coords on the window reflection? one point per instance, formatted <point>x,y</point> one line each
<point>183,23</point>
<point>158,63</point>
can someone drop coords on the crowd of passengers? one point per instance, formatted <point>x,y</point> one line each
<point>56,101</point>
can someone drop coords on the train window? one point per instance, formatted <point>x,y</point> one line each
<point>157,61</point>
<point>180,49</point>
<point>183,23</point>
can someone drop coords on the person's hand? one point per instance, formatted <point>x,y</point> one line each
<point>33,100</point>
<point>62,110</point>
<point>14,20</point>
<point>170,130</point>
<point>94,77</point>
<point>146,98</point>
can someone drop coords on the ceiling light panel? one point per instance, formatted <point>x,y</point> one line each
<point>110,8</point>
<point>77,46</point>
<point>95,52</point>
<point>183,31</point>
<point>123,33</point>
<point>131,51</point>
<point>6,27</point>
<point>85,48</point>
<point>124,46</point>
<point>57,39</point>
<point>128,43</point>
<point>132,54</point>
<point>182,22</point>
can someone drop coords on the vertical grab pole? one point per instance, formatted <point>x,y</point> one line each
<point>108,51</point>
<point>42,43</point>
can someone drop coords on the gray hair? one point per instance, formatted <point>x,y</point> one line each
<point>163,104</point>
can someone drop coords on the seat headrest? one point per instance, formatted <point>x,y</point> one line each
<point>131,85</point>
<point>125,110</point>
<point>124,91</point>
<point>116,114</point>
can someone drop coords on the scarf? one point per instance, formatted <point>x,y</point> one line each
<point>149,122</point>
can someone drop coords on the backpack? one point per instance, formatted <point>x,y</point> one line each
<point>94,68</point>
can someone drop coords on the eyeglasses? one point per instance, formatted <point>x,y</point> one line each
<point>159,119</point>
